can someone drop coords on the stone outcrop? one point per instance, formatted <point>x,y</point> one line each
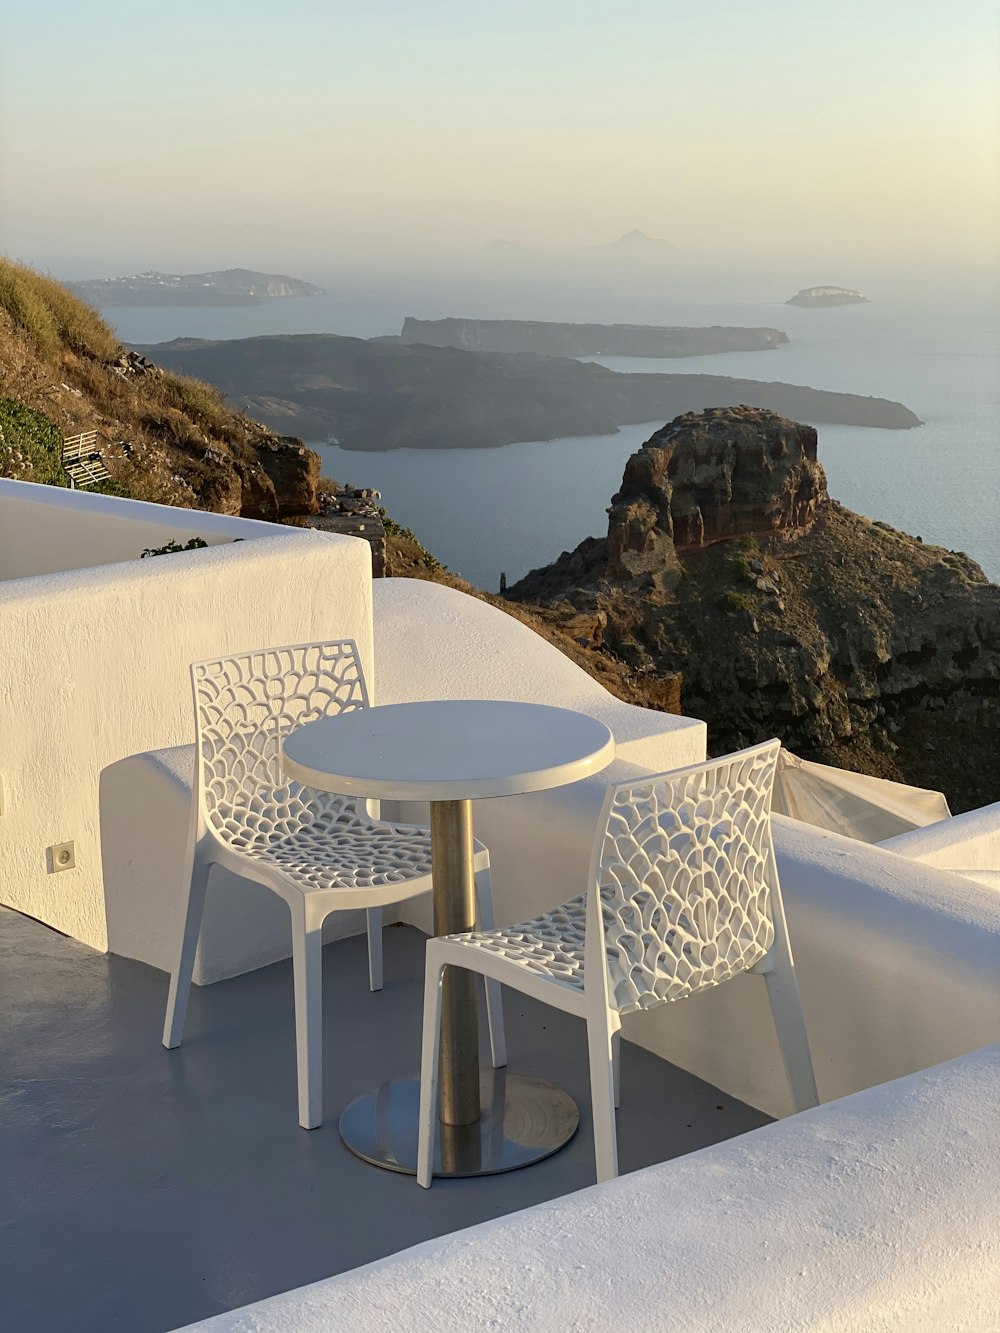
<point>708,477</point>
<point>353,512</point>
<point>294,473</point>
<point>784,613</point>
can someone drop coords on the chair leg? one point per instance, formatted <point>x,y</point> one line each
<point>374,919</point>
<point>180,978</point>
<point>616,1061</point>
<point>307,965</point>
<point>485,920</point>
<point>790,1025</point>
<point>429,1054</point>
<point>602,1097</point>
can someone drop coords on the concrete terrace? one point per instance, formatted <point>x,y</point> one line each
<point>146,1189</point>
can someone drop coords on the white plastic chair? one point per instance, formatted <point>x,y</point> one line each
<point>320,852</point>
<point>687,896</point>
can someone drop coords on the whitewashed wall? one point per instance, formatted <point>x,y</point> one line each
<point>46,529</point>
<point>96,668</point>
<point>877,1214</point>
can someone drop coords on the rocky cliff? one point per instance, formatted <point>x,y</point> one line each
<point>550,339</point>
<point>708,477</point>
<point>786,614</point>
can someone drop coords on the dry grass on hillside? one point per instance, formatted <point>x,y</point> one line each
<point>58,356</point>
<point>52,317</point>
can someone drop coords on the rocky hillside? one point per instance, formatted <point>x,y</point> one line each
<point>163,436</point>
<point>785,614</point>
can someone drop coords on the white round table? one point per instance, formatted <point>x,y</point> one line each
<point>450,753</point>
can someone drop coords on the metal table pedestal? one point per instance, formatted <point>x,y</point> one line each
<point>487,1122</point>
<point>522,1120</point>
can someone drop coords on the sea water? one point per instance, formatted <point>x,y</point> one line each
<point>511,509</point>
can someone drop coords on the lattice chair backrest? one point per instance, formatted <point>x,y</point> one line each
<point>245,704</point>
<point>685,867</point>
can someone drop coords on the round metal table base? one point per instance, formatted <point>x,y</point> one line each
<point>523,1120</point>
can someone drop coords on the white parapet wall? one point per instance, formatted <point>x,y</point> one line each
<point>970,841</point>
<point>96,668</point>
<point>876,1214</point>
<point>48,529</point>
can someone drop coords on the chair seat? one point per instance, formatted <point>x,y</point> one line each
<point>550,946</point>
<point>327,855</point>
<point>644,971</point>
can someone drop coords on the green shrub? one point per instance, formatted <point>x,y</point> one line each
<point>734,601</point>
<point>394,529</point>
<point>741,570</point>
<point>30,445</point>
<point>173,547</point>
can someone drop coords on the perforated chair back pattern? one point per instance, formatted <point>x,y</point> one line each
<point>685,870</point>
<point>245,704</point>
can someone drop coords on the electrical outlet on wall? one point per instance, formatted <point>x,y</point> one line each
<point>61,856</point>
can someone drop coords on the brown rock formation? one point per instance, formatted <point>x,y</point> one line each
<point>293,471</point>
<point>784,613</point>
<point>709,476</point>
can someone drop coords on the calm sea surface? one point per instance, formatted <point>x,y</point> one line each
<point>512,509</point>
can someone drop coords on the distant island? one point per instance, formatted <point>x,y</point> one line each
<point>382,393</point>
<point>824,296</point>
<point>231,286</point>
<point>650,340</point>
<point>636,244</point>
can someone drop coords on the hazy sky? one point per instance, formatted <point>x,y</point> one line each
<point>286,134</point>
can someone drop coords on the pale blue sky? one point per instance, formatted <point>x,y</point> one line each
<point>216,131</point>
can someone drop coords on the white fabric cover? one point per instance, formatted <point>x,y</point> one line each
<point>853,804</point>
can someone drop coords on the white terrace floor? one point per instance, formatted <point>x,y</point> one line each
<point>144,1189</point>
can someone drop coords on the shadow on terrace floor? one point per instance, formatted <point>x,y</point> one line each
<point>145,1189</point>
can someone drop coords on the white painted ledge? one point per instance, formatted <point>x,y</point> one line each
<point>970,841</point>
<point>49,529</point>
<point>874,1214</point>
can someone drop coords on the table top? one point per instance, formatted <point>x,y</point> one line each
<point>447,750</point>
